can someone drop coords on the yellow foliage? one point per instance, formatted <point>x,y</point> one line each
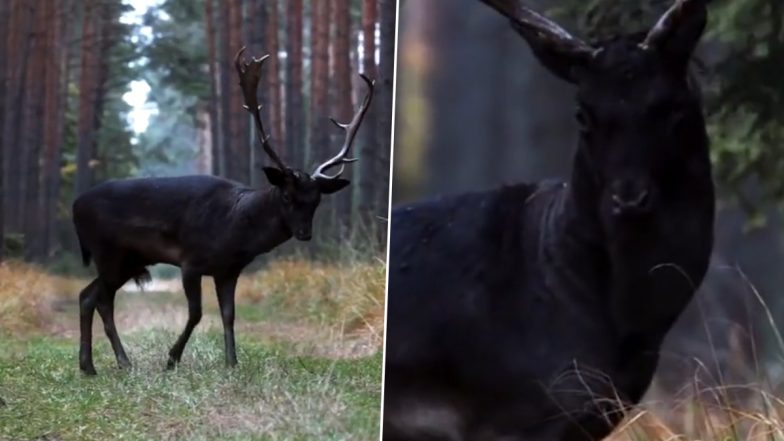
<point>26,295</point>
<point>346,294</point>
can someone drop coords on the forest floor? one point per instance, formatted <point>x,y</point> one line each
<point>309,368</point>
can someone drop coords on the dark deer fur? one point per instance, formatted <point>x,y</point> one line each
<point>208,226</point>
<point>536,312</point>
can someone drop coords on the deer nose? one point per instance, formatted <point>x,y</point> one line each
<point>304,235</point>
<point>629,196</point>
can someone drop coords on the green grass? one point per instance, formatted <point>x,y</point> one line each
<point>271,395</point>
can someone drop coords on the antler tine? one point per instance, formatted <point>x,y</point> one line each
<point>530,23</point>
<point>668,21</point>
<point>351,132</point>
<point>250,75</point>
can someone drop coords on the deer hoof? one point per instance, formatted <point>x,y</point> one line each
<point>171,364</point>
<point>88,371</point>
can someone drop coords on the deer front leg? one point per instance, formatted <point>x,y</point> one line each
<point>191,283</point>
<point>225,286</point>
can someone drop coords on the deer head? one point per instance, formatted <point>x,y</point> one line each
<point>642,133</point>
<point>300,193</point>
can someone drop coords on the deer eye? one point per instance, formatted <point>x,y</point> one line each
<point>286,198</point>
<point>583,118</point>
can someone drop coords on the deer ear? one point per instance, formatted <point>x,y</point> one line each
<point>329,186</point>
<point>275,176</point>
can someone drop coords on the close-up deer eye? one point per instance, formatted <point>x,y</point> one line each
<point>583,118</point>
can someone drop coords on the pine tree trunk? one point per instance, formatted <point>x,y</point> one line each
<point>369,167</point>
<point>35,87</point>
<point>88,91</point>
<point>18,46</point>
<point>239,118</point>
<point>4,34</point>
<point>319,109</point>
<point>224,94</point>
<point>214,99</point>
<point>272,83</point>
<point>342,106</point>
<point>384,86</point>
<point>295,112</point>
<point>257,45</point>
<point>57,74</point>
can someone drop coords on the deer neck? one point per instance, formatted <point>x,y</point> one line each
<point>643,274</point>
<point>262,211</point>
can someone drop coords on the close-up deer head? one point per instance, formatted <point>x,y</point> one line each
<point>641,125</point>
<point>300,192</point>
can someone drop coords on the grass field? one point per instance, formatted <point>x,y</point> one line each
<point>308,336</point>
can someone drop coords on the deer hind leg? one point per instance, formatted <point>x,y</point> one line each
<point>88,299</point>
<point>225,288</point>
<point>191,283</point>
<point>108,291</point>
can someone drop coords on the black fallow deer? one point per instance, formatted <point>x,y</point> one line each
<point>536,311</point>
<point>206,225</point>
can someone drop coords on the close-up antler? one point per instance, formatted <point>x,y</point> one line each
<point>351,132</point>
<point>669,21</point>
<point>534,26</point>
<point>250,75</point>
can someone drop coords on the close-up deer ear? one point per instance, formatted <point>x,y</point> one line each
<point>275,176</point>
<point>329,186</point>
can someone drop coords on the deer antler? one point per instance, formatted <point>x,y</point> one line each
<point>351,132</point>
<point>250,75</point>
<point>668,22</point>
<point>540,29</point>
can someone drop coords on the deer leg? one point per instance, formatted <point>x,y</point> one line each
<point>191,283</point>
<point>225,288</point>
<point>106,311</point>
<point>87,302</point>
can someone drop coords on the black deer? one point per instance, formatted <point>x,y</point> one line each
<point>536,311</point>
<point>206,225</point>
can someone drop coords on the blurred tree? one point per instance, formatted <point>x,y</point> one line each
<point>4,31</point>
<point>295,109</point>
<point>342,106</point>
<point>218,159</point>
<point>369,167</point>
<point>387,10</point>
<point>88,96</point>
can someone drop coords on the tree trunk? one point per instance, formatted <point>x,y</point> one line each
<point>319,109</point>
<point>385,83</point>
<point>272,83</point>
<point>295,112</point>
<point>4,35</point>
<point>214,99</point>
<point>225,71</point>
<point>239,158</point>
<point>257,45</point>
<point>342,106</point>
<point>18,47</point>
<point>319,137</point>
<point>369,167</point>
<point>57,74</point>
<point>88,91</point>
<point>34,124</point>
